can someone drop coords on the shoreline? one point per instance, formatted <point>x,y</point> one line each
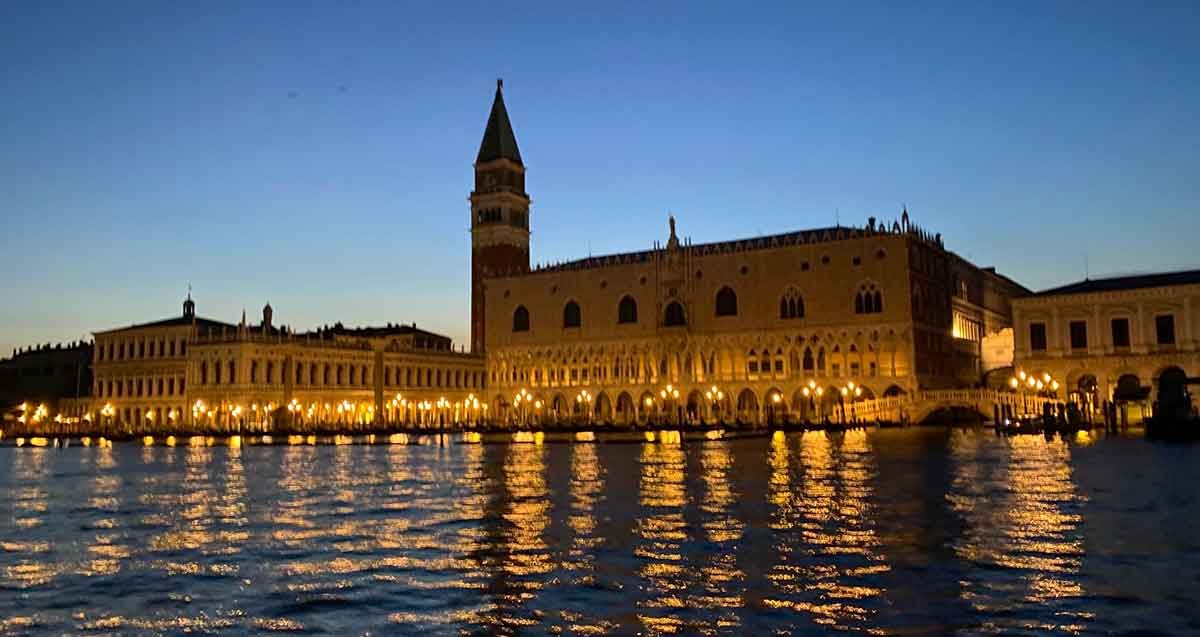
<point>387,435</point>
<point>444,436</point>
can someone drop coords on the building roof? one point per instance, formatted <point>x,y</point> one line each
<point>499,142</point>
<point>381,331</point>
<point>202,323</point>
<point>1131,282</point>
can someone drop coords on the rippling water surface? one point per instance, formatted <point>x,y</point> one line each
<point>899,532</point>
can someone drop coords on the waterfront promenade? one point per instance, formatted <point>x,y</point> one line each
<point>907,409</point>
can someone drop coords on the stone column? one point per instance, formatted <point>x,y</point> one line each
<point>377,379</point>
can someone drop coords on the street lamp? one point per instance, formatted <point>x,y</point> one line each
<point>584,400</point>
<point>715,397</point>
<point>522,397</point>
<point>670,396</point>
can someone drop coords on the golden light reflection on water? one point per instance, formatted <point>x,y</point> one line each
<point>527,515</point>
<point>732,536</point>
<point>721,581</point>
<point>829,560</point>
<point>661,531</point>
<point>34,564</point>
<point>1022,518</point>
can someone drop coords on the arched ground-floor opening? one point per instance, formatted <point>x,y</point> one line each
<point>1132,400</point>
<point>747,407</point>
<point>626,411</point>
<point>775,407</point>
<point>1173,401</point>
<point>603,411</point>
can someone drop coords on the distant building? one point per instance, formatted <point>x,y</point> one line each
<point>879,310</point>
<point>1121,339</point>
<point>50,375</point>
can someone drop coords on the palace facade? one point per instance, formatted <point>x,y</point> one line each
<point>768,327</point>
<point>200,373</point>
<point>1123,340</point>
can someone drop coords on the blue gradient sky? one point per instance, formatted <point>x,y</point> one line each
<point>319,155</point>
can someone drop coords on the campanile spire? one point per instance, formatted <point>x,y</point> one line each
<point>499,212</point>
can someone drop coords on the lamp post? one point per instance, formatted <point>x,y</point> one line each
<point>715,397</point>
<point>649,405</point>
<point>520,404</point>
<point>776,400</point>
<point>584,400</point>
<point>1028,386</point>
<point>670,400</point>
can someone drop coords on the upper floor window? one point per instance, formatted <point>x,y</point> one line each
<point>727,302</point>
<point>571,315</point>
<point>1120,332</point>
<point>1164,328</point>
<point>1037,336</point>
<point>791,305</point>
<point>674,315</point>
<point>868,300</point>
<point>1078,334</point>
<point>627,310</point>
<point>521,319</point>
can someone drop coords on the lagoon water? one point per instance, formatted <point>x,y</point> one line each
<point>918,531</point>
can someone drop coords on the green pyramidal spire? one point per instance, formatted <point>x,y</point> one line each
<point>499,142</point>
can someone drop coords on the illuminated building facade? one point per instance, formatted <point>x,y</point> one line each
<point>1120,339</point>
<point>753,329</point>
<point>197,372</point>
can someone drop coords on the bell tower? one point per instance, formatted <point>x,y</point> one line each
<point>499,212</point>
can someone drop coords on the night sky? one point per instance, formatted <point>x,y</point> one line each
<point>318,155</point>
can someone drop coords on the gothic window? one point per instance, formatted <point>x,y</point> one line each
<point>752,362</point>
<point>868,300</point>
<point>726,302</point>
<point>627,310</point>
<point>674,315</point>
<point>203,374</point>
<point>791,306</point>
<point>521,319</point>
<point>571,315</point>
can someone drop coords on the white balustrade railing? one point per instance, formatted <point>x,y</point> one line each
<point>895,407</point>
